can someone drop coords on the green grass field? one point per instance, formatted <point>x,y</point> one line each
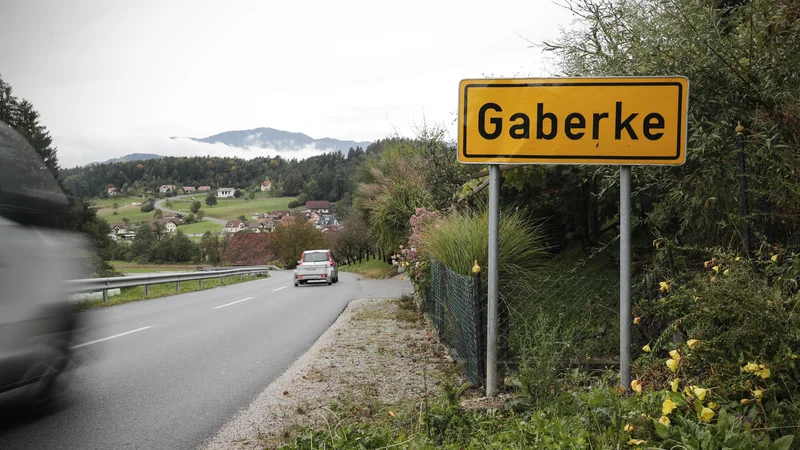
<point>132,267</point>
<point>131,212</point>
<point>200,227</point>
<point>374,268</point>
<point>231,208</point>
<point>120,200</point>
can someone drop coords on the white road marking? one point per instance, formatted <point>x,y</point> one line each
<point>276,290</point>
<point>110,337</point>
<point>233,303</point>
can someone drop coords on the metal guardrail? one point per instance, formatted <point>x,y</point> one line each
<point>104,284</point>
<point>218,269</point>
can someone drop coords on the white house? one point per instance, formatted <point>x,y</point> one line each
<point>266,186</point>
<point>169,224</point>
<point>234,226</point>
<point>112,191</point>
<point>166,188</point>
<point>225,192</point>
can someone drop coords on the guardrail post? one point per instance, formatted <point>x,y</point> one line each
<point>105,295</point>
<point>230,279</point>
<point>178,286</point>
<point>147,290</point>
<point>201,283</point>
<point>221,280</point>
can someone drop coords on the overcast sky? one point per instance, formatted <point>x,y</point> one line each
<point>117,77</point>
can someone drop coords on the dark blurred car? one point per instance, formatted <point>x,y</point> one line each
<point>36,319</point>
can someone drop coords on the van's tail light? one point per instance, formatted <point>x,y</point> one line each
<point>331,263</point>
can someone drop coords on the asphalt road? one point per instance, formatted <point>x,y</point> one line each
<point>168,373</point>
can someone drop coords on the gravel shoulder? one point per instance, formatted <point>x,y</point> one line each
<point>377,352</point>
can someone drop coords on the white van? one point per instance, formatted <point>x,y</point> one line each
<point>36,319</point>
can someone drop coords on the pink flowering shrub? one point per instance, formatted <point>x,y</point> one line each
<point>416,264</point>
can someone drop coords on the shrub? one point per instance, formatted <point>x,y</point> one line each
<point>459,241</point>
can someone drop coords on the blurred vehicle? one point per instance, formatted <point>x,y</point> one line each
<point>36,319</point>
<point>316,265</point>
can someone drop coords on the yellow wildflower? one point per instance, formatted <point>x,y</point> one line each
<point>675,354</point>
<point>647,348</point>
<point>738,258</point>
<point>667,407</point>
<point>745,401</point>
<point>696,298</point>
<point>750,367</point>
<point>713,405</point>
<point>636,441</point>
<point>774,258</point>
<point>637,320</point>
<point>674,384</point>
<point>706,264</point>
<point>716,269</point>
<point>672,364</point>
<point>636,386</point>
<point>707,414</point>
<point>794,356</point>
<point>763,373</point>
<point>726,272</point>
<point>663,286</point>
<point>700,392</point>
<point>692,343</point>
<point>629,428</point>
<point>664,420</point>
<point>758,393</point>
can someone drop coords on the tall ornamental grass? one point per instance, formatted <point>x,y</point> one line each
<point>457,241</point>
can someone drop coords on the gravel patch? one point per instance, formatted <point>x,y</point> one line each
<point>376,349</point>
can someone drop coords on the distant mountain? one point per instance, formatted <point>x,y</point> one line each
<point>278,140</point>
<point>133,157</point>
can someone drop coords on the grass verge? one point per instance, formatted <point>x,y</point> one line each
<point>373,269</point>
<point>137,293</point>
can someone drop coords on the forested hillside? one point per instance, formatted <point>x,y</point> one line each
<point>323,177</point>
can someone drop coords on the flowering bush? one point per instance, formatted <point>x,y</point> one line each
<point>722,341</point>
<point>412,261</point>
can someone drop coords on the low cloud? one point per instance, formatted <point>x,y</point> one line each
<point>79,151</point>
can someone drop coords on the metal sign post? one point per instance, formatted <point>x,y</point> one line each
<point>625,276</point>
<point>621,121</point>
<point>494,245</point>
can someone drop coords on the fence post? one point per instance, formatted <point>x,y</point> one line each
<point>177,286</point>
<point>240,277</point>
<point>477,322</point>
<point>105,295</point>
<point>201,283</point>
<point>147,290</point>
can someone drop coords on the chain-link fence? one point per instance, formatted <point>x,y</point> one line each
<point>540,317</point>
<point>454,305</point>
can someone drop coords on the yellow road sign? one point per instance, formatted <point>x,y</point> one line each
<point>626,120</point>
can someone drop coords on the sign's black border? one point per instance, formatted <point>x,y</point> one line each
<point>569,157</point>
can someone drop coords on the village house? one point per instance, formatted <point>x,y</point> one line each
<point>319,206</point>
<point>112,191</point>
<point>326,221</point>
<point>188,189</point>
<point>234,226</point>
<point>169,225</point>
<point>166,188</point>
<point>203,188</point>
<point>225,192</point>
<point>266,186</point>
